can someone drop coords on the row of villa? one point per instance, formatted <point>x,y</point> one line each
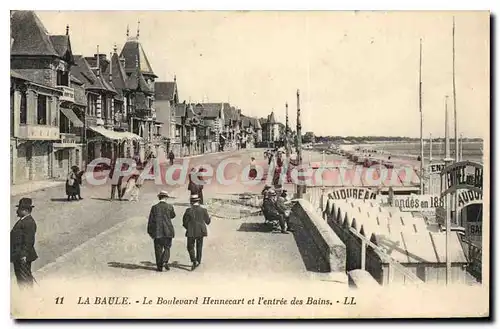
<point>69,109</point>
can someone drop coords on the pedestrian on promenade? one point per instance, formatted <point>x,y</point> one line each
<point>195,221</point>
<point>171,157</point>
<point>133,187</point>
<point>281,204</point>
<point>22,243</point>
<point>196,188</point>
<point>116,184</point>
<point>252,174</point>
<point>73,183</point>
<point>161,230</point>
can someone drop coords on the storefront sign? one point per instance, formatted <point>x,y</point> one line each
<point>468,197</point>
<point>435,168</point>
<point>352,193</point>
<point>463,175</point>
<point>474,229</point>
<point>415,202</point>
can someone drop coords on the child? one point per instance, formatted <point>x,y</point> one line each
<point>133,187</point>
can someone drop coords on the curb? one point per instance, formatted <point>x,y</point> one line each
<point>55,184</point>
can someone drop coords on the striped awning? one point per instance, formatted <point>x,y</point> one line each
<point>115,135</point>
<point>72,117</point>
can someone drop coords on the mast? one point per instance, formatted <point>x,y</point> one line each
<point>447,161</point>
<point>430,148</point>
<point>421,121</point>
<point>461,147</point>
<point>299,142</point>
<point>455,95</point>
<point>446,132</point>
<point>457,157</point>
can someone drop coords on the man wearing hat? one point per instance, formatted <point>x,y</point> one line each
<point>161,230</point>
<point>271,211</point>
<point>283,209</point>
<point>22,243</point>
<point>195,222</point>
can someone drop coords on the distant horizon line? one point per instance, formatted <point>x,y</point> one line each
<point>374,137</point>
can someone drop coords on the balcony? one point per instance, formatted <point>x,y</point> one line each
<point>38,132</point>
<point>68,94</point>
<point>68,141</point>
<point>68,138</point>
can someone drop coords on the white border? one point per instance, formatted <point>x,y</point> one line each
<point>187,5</point>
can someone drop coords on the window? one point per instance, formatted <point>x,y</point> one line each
<point>12,111</point>
<point>104,108</point>
<point>42,110</point>
<point>59,156</point>
<point>89,104</point>
<point>23,113</point>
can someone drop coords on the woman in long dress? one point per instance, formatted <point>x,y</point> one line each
<point>73,184</point>
<point>133,187</point>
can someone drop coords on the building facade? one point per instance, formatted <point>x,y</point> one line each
<point>41,90</point>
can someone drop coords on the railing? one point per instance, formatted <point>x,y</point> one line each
<point>68,94</point>
<point>393,264</point>
<point>37,132</point>
<point>474,257</point>
<point>67,138</point>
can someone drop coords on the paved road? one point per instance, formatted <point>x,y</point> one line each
<point>98,238</point>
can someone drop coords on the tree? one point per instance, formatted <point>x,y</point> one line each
<point>309,137</point>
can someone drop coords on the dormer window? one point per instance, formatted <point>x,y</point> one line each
<point>62,78</point>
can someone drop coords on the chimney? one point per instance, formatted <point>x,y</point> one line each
<point>102,61</point>
<point>110,67</point>
<point>98,66</point>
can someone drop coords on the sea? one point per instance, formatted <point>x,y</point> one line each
<point>472,151</point>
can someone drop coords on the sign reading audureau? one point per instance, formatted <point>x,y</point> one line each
<point>352,193</point>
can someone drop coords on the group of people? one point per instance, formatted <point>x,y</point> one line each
<point>132,186</point>
<point>275,209</point>
<point>161,230</point>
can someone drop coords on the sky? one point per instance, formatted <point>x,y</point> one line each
<point>357,72</point>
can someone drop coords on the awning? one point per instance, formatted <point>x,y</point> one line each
<point>115,135</point>
<point>63,145</point>
<point>72,117</point>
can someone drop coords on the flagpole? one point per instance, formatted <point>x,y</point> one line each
<point>457,158</point>
<point>430,148</point>
<point>421,121</point>
<point>447,161</point>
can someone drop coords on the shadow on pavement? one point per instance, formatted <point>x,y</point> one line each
<point>61,200</point>
<point>132,266</point>
<point>307,248</point>
<point>101,199</point>
<point>180,266</point>
<point>255,227</point>
<point>174,264</point>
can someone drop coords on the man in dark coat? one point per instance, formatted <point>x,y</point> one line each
<point>271,212</point>
<point>161,230</point>
<point>116,185</point>
<point>22,243</point>
<point>195,222</point>
<point>196,188</point>
<point>171,157</point>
